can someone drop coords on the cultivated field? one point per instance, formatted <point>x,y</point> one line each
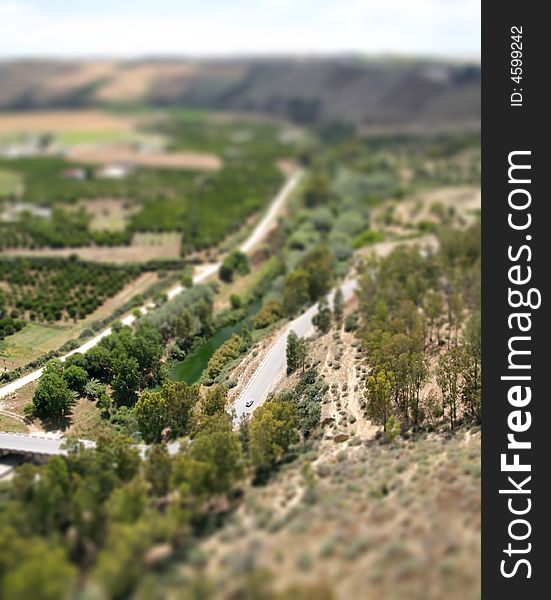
<point>104,155</point>
<point>144,247</point>
<point>36,339</point>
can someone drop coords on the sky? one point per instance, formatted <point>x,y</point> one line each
<point>135,28</point>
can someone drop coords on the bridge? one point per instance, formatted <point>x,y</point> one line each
<point>34,446</point>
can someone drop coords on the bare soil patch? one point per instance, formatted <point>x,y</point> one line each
<point>135,82</point>
<point>104,155</point>
<point>144,247</point>
<point>56,121</point>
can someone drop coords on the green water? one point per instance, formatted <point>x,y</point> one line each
<point>191,368</point>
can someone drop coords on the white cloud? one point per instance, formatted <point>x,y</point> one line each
<point>421,27</point>
<point>11,9</point>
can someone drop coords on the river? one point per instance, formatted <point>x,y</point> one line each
<point>191,368</point>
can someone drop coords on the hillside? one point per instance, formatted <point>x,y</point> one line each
<point>374,93</point>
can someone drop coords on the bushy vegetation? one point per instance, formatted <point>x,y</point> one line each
<point>9,320</point>
<point>101,512</point>
<point>235,263</point>
<point>415,305</point>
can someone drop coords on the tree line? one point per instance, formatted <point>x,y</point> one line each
<point>420,319</point>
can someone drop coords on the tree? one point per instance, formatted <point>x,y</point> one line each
<point>98,363</point>
<point>184,329</point>
<point>296,291</point>
<point>181,399</point>
<point>338,307</point>
<point>236,301</point>
<point>378,394</point>
<point>296,352</point>
<point>270,312</point>
<point>322,319</point>
<point>318,264</point>
<point>235,262</point>
<point>172,408</point>
<point>215,400</point>
<point>472,388</point>
<point>434,308</point>
<point>126,381</point>
<point>456,311</point>
<point>94,389</point>
<point>127,503</point>
<point>317,191</point>
<point>246,337</point>
<point>272,429</point>
<point>220,456</point>
<point>76,378</point>
<point>35,569</point>
<point>52,397</point>
<point>153,415</point>
<point>157,469</point>
<point>450,380</point>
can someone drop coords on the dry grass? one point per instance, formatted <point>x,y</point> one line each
<point>12,425</point>
<point>134,82</point>
<point>394,521</point>
<point>57,121</point>
<point>398,520</point>
<point>86,422</point>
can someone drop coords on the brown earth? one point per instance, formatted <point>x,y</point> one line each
<point>142,249</point>
<point>56,121</point>
<point>112,153</point>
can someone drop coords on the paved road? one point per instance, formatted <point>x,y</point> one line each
<point>272,368</point>
<point>257,235</point>
<point>262,381</point>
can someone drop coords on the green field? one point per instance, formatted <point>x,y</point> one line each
<point>9,182</point>
<point>34,340</point>
<point>102,137</point>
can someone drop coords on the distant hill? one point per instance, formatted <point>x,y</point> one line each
<point>373,93</point>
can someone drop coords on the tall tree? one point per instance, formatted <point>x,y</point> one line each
<point>378,394</point>
<point>322,319</point>
<point>434,309</point>
<point>214,400</point>
<point>273,428</point>
<point>126,381</point>
<point>338,307</point>
<point>450,380</point>
<point>296,352</point>
<point>296,291</point>
<point>52,397</point>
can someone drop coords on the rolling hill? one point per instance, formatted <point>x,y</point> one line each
<point>376,93</point>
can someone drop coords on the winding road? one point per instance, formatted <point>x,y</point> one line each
<point>273,367</point>
<point>47,445</point>
<point>263,227</point>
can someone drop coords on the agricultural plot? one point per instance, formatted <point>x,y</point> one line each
<point>124,153</point>
<point>46,290</point>
<point>194,194</point>
<point>108,214</point>
<point>63,121</point>
<point>37,339</point>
